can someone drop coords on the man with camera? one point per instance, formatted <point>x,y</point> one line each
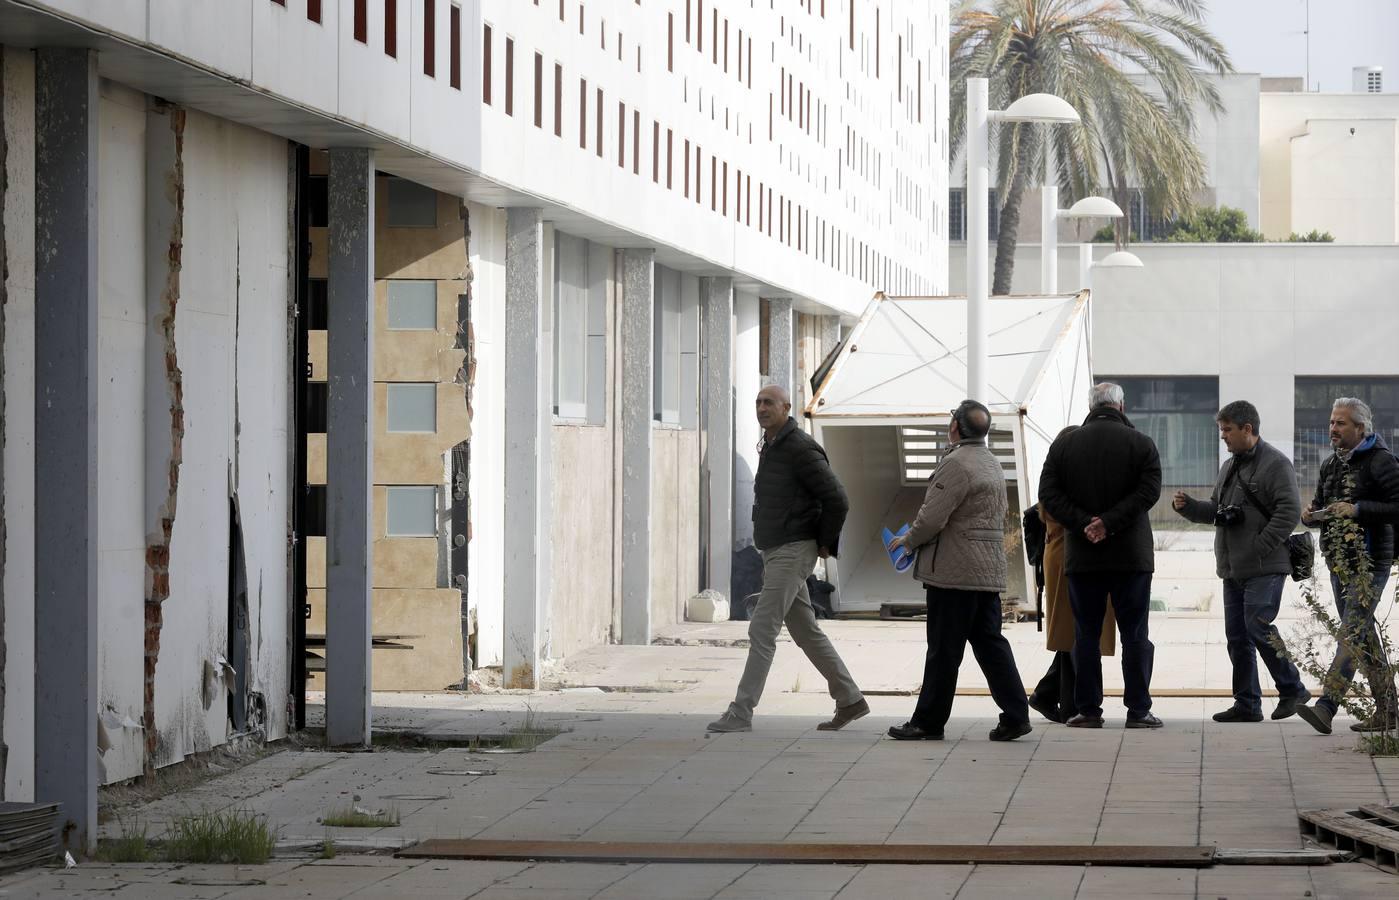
<point>1254,507</point>
<point>1356,506</point>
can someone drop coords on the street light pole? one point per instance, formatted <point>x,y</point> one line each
<point>1049,219</point>
<point>978,237</point>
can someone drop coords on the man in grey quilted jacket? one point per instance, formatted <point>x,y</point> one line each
<point>959,535</point>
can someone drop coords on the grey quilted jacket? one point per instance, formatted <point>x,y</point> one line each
<point>960,530</point>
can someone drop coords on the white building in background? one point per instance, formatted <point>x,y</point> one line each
<point>662,202</point>
<point>1288,326</point>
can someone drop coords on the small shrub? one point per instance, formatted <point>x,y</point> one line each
<point>328,849</point>
<point>234,836</point>
<point>1312,237</point>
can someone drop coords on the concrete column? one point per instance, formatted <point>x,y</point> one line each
<point>528,437</point>
<point>717,296</point>
<point>65,440</point>
<point>830,336</point>
<point>350,448</point>
<point>781,342</point>
<point>637,411</point>
<point>747,380</point>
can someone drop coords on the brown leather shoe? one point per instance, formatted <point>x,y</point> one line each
<point>845,715</point>
<point>1082,721</point>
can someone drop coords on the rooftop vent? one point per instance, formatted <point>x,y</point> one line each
<point>1367,79</point>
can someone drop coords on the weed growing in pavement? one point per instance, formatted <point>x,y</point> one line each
<point>132,846</point>
<point>354,817</point>
<point>327,849</point>
<point>230,836</point>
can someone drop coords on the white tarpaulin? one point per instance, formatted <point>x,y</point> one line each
<point>903,368</point>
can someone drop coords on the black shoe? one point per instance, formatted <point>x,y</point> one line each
<point>1082,721</point>
<point>1049,710</point>
<point>910,732</point>
<point>1150,721</point>
<point>1317,716</point>
<point>1010,731</point>
<point>1287,706</point>
<point>1238,714</point>
<point>1376,722</point>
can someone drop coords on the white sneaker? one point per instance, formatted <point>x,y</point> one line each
<point>729,722</point>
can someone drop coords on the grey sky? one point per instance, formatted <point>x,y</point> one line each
<point>1266,36</point>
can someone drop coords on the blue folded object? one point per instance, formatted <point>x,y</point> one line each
<point>902,558</point>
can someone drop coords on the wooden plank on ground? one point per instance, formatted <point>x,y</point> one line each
<point>1188,856</point>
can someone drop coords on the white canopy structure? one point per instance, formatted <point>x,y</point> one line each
<point>883,403</point>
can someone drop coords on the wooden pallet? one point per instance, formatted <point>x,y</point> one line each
<point>1371,833</point>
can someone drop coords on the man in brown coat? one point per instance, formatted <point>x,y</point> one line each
<point>959,535</point>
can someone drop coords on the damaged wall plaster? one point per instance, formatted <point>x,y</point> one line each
<point>166,168</point>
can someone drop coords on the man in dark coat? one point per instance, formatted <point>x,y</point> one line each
<point>799,507</point>
<point>1356,497</point>
<point>1253,509</point>
<point>1101,480</point>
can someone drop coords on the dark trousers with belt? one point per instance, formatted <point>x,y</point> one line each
<point>956,619</point>
<point>1131,601</point>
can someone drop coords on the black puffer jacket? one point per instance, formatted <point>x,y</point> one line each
<point>1376,495</point>
<point>796,496</point>
<point>1108,469</point>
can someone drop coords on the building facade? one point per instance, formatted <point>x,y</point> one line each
<point>415,325</point>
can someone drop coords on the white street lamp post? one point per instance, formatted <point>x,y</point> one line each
<point>1050,214</point>
<point>1045,108</point>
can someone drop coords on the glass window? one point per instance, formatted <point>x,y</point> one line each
<point>581,273</point>
<point>1178,414</point>
<point>412,407</point>
<point>412,305</point>
<point>411,205</point>
<point>1312,417</point>
<point>412,511</point>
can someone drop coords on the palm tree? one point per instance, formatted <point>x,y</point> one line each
<point>1134,70</point>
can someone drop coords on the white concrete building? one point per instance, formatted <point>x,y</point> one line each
<point>664,202</point>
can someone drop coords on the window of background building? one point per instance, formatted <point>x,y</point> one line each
<point>675,371</point>
<point>510,76</point>
<point>581,272</point>
<point>412,510</point>
<point>538,90</point>
<point>361,23</point>
<point>411,408</point>
<point>486,48</point>
<point>411,205</point>
<point>583,113</point>
<point>1178,414</point>
<point>558,100</point>
<point>313,11</point>
<point>599,122</point>
<point>391,28</point>
<point>430,38</point>
<point>455,42</point>
<point>1313,396</point>
<point>412,305</point>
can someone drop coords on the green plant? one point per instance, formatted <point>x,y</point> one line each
<point>1343,542</point>
<point>530,733</point>
<point>230,836</point>
<point>327,849</point>
<point>1212,225</point>
<point>1134,70</point>
<point>354,817</point>
<point>1312,237</point>
<point>132,846</point>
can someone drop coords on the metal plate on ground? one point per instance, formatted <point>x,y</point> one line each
<point>1370,832</point>
<point>849,854</point>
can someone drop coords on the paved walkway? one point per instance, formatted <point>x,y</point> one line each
<point>636,765</point>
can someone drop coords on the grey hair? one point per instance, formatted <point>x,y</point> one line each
<point>1360,412</point>
<point>1106,394</point>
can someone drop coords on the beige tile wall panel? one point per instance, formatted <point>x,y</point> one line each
<point>315,459</point>
<point>665,523</point>
<point>317,266</point>
<point>405,563</point>
<point>426,619</point>
<point>317,346</point>
<point>407,458</point>
<point>315,562</point>
<point>581,616</point>
<point>420,252</point>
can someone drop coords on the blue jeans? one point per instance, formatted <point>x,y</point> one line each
<point>1368,652</point>
<point>1131,601</point>
<point>1250,606</point>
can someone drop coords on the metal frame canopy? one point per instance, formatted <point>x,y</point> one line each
<point>905,364</point>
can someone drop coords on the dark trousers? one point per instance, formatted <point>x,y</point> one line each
<point>1056,688</point>
<point>1250,606</point>
<point>1131,601</point>
<point>955,619</point>
<point>1358,620</point>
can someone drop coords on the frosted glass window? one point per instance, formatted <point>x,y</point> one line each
<point>411,205</point>
<point>413,305</point>
<point>412,511</point>
<point>412,407</point>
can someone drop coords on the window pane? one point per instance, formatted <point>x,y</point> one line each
<point>413,305</point>
<point>1312,416</point>
<point>1178,414</point>
<point>412,511</point>
<point>411,205</point>
<point>412,407</point>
